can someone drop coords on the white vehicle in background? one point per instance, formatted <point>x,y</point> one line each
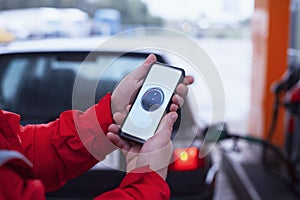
<point>19,22</point>
<point>44,22</point>
<point>74,22</point>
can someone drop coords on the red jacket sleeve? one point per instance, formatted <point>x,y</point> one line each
<point>139,186</point>
<point>13,186</point>
<point>67,147</point>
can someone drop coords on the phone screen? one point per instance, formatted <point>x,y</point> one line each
<point>151,102</point>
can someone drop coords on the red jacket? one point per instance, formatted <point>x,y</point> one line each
<point>35,159</point>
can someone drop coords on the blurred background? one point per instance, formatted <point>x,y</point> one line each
<point>62,18</point>
<point>216,25</point>
<point>221,27</point>
<point>254,45</point>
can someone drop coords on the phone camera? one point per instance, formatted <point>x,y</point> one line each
<point>152,99</point>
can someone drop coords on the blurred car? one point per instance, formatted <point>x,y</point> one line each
<point>106,21</point>
<point>37,79</point>
<point>48,22</point>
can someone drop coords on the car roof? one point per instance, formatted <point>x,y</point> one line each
<point>101,44</point>
<point>116,46</point>
<point>55,44</point>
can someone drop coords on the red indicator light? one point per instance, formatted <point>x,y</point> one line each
<point>186,159</point>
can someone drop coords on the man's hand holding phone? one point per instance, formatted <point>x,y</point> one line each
<point>156,151</point>
<point>151,102</point>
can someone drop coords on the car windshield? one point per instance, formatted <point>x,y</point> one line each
<point>39,86</point>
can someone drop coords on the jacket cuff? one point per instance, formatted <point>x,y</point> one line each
<point>146,176</point>
<point>103,112</point>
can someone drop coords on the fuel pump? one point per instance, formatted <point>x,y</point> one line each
<point>292,123</point>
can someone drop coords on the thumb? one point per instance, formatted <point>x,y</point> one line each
<point>141,71</point>
<point>166,126</point>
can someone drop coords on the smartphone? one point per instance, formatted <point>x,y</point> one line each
<point>151,103</point>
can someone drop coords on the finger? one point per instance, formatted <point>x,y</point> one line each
<point>165,128</point>
<point>140,72</point>
<point>114,128</point>
<point>132,152</point>
<point>188,80</point>
<point>119,142</point>
<point>119,117</point>
<point>176,99</point>
<point>174,107</point>
<point>150,59</point>
<point>182,89</point>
